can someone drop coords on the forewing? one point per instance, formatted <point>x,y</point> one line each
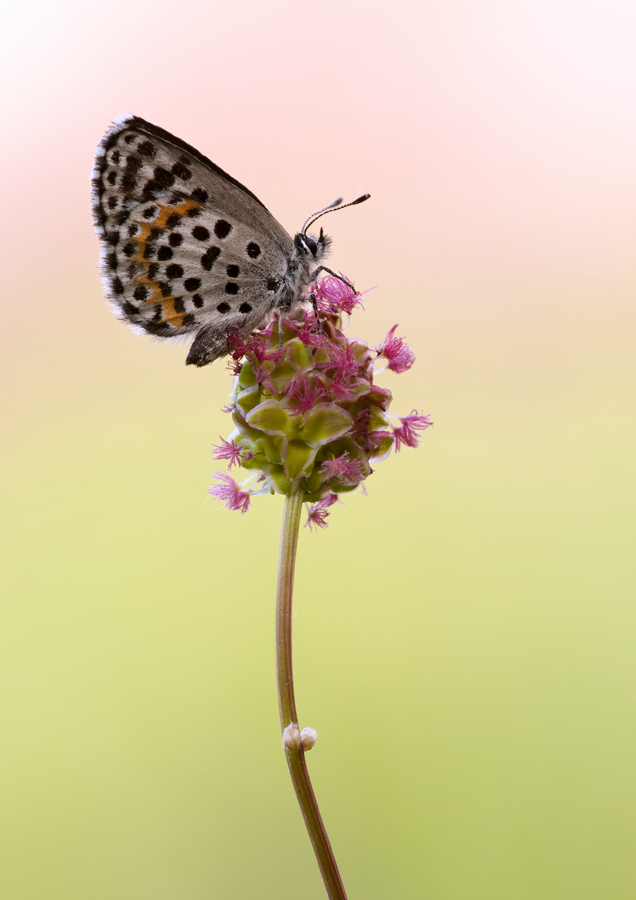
<point>185,247</point>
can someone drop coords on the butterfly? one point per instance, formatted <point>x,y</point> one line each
<point>187,249</point>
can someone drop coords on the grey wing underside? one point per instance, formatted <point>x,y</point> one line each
<point>185,247</point>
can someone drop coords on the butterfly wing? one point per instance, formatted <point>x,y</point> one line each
<point>185,247</point>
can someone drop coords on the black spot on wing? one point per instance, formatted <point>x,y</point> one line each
<point>161,180</point>
<point>222,228</point>
<point>133,164</point>
<point>209,257</point>
<point>148,149</point>
<point>181,171</point>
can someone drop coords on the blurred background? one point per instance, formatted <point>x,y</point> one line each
<point>465,635</point>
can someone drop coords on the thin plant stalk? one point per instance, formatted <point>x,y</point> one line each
<point>287,702</point>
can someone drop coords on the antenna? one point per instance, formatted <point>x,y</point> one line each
<point>333,207</point>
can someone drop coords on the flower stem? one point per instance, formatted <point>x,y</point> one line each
<point>286,700</point>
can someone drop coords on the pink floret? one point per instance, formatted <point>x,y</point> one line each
<point>316,517</point>
<point>334,296</point>
<point>229,491</point>
<point>305,395</point>
<point>237,345</point>
<point>228,450</point>
<point>308,332</point>
<point>318,512</point>
<point>347,470</point>
<point>340,391</point>
<point>398,355</point>
<point>345,362</point>
<point>406,433</point>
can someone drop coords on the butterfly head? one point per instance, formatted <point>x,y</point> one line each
<point>311,248</point>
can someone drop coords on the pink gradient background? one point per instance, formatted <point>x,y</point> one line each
<point>498,142</point>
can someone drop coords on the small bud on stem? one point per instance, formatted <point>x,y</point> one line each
<point>308,737</point>
<point>291,737</point>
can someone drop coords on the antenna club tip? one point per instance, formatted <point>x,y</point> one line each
<point>331,208</point>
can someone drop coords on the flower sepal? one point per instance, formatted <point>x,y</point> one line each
<point>245,400</point>
<point>325,423</point>
<point>298,459</point>
<point>271,417</point>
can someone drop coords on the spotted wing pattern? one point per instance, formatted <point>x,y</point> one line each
<point>185,247</point>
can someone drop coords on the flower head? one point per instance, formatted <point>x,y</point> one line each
<point>306,411</point>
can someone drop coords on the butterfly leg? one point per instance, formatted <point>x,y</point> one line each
<point>314,303</point>
<point>335,275</point>
<point>280,330</point>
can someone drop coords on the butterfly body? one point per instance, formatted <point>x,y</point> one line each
<point>187,249</point>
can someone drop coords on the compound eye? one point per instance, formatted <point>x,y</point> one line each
<point>311,244</point>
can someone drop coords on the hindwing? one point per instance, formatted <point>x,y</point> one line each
<point>185,247</point>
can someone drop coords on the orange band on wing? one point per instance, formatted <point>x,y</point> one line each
<point>141,240</point>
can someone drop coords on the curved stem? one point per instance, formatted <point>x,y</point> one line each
<point>286,700</point>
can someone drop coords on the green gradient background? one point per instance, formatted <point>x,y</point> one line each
<point>465,635</point>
